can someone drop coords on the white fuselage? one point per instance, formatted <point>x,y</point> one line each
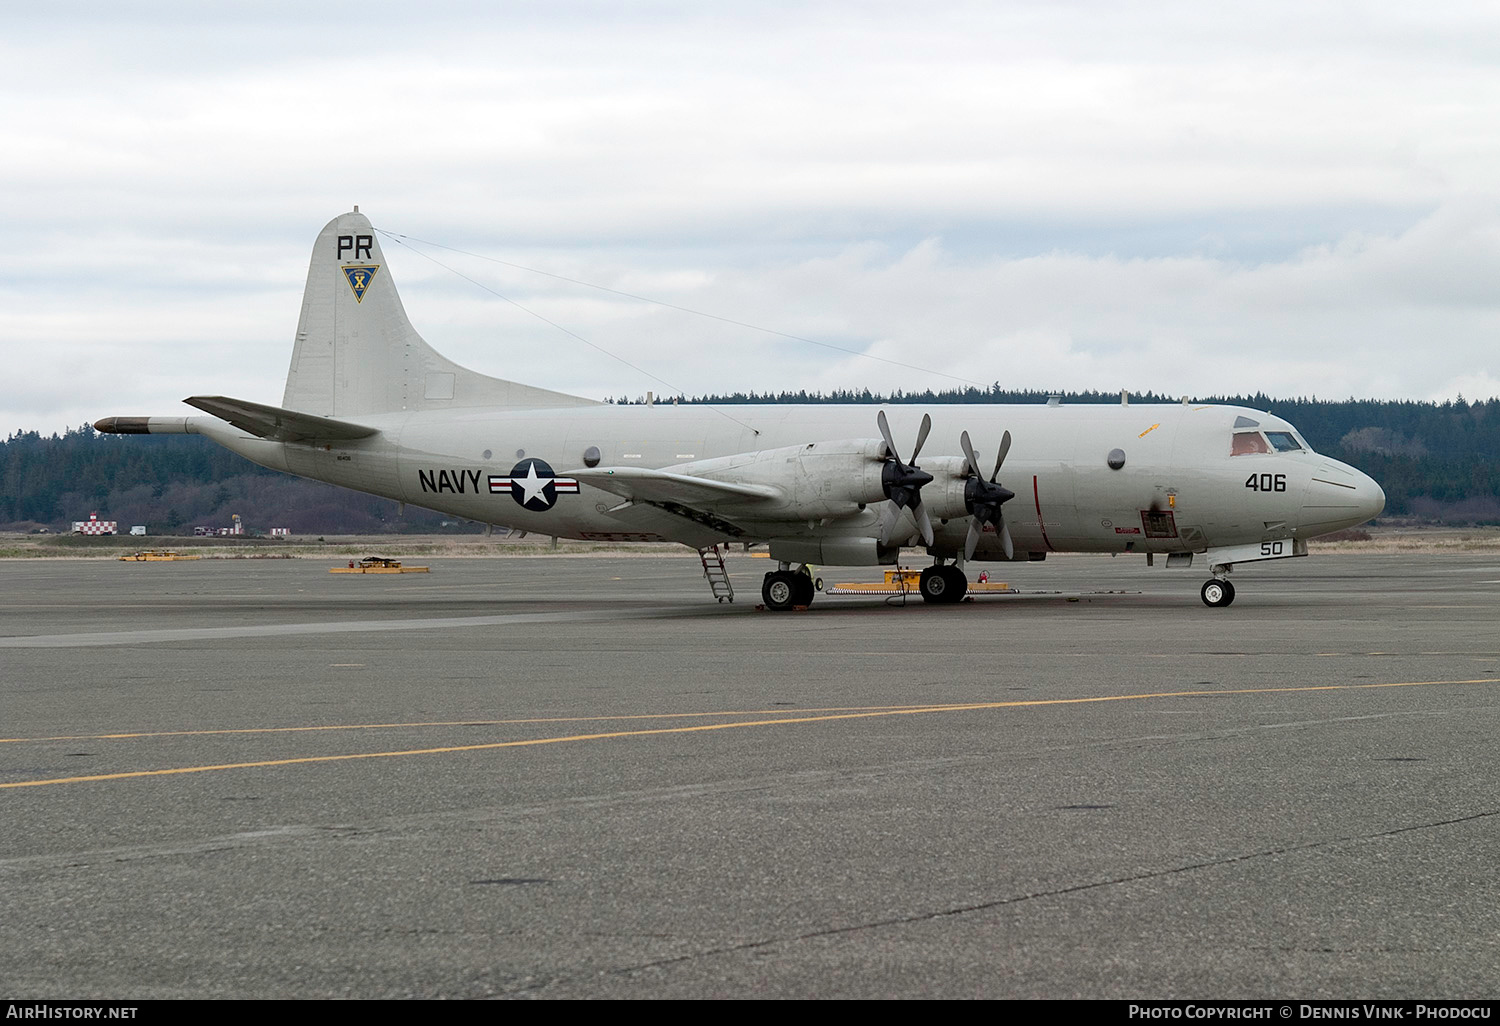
<point>1180,488</point>
<point>371,406</point>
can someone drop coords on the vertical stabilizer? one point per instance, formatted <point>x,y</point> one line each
<point>356,353</point>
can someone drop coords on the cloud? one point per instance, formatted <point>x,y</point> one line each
<point>1394,316</point>
<point>1059,195</point>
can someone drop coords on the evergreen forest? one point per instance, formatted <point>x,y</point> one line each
<point>1436,461</point>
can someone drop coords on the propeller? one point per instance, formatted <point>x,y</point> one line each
<point>984,498</point>
<point>902,481</point>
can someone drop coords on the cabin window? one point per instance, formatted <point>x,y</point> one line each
<point>1247,442</point>
<point>1284,441</point>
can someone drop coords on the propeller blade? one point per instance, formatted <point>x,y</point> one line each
<point>972,541</point>
<point>922,435</point>
<point>895,522</point>
<point>902,481</point>
<point>1004,448</point>
<point>963,440</point>
<point>924,522</point>
<point>885,432</point>
<point>984,498</point>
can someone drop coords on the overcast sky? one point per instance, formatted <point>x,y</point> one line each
<point>1298,198</point>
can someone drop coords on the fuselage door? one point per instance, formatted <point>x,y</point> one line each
<point>1159,523</point>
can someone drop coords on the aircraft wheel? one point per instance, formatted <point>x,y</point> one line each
<point>943,584</point>
<point>1218,594</point>
<point>958,584</point>
<point>805,590</point>
<point>780,590</point>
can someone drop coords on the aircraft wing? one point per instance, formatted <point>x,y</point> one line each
<point>275,423</point>
<point>661,486</point>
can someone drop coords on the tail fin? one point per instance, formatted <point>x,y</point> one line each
<point>356,352</point>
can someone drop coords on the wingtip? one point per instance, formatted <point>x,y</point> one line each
<point>123,425</point>
<point>143,426</point>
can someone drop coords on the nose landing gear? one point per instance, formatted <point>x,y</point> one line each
<point>1218,593</point>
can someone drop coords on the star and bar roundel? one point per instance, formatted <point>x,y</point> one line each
<point>533,485</point>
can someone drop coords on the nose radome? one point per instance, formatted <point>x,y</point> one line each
<point>1338,496</point>
<point>1370,495</point>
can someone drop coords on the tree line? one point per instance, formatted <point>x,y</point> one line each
<point>174,483</point>
<point>1434,460</point>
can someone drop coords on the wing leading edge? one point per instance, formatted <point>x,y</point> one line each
<point>640,484</point>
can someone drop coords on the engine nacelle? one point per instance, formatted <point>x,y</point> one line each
<point>851,551</point>
<point>944,496</point>
<point>816,481</point>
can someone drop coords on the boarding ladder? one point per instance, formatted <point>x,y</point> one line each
<point>718,577</point>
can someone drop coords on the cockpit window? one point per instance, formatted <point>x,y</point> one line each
<point>1247,442</point>
<point>1283,441</point>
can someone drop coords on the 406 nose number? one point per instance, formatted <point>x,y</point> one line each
<point>1266,482</point>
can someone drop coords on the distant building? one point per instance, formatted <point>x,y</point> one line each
<point>281,532</point>
<point>93,525</point>
<point>223,532</point>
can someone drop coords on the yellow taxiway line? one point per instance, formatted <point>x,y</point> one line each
<point>474,723</point>
<point>699,728</point>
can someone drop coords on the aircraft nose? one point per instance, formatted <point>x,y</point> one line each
<point>1337,497</point>
<point>1369,496</point>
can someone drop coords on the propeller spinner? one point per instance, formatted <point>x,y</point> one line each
<point>902,481</point>
<point>984,498</point>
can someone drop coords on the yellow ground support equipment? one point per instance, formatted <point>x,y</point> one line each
<point>907,582</point>
<point>377,565</point>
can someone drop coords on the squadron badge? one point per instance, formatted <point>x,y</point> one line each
<point>360,278</point>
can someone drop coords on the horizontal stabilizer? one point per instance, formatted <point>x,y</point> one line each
<point>644,485</point>
<point>277,424</point>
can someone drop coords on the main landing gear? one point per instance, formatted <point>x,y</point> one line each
<point>1218,593</point>
<point>786,589</point>
<point>943,583</point>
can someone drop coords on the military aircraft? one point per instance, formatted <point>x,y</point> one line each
<point>370,406</point>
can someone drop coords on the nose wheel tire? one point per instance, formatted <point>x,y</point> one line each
<point>1217,593</point>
